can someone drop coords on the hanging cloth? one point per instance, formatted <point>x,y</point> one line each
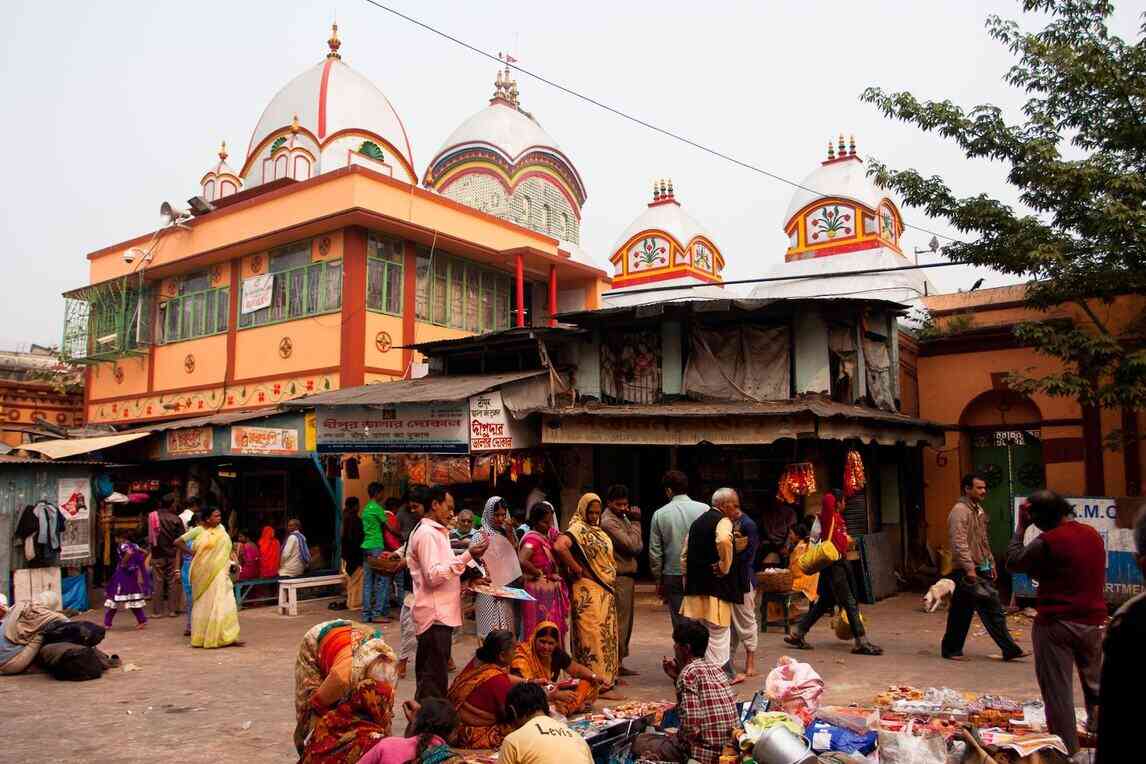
<point>48,518</point>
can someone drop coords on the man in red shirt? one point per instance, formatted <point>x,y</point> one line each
<point>1068,560</point>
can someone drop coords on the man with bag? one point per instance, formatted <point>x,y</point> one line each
<point>973,574</point>
<point>829,558</point>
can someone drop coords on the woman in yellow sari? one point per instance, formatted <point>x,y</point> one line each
<point>214,616</point>
<point>586,551</point>
<point>479,691</point>
<point>542,660</point>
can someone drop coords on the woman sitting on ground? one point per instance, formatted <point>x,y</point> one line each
<point>425,742</point>
<point>479,690</point>
<point>542,660</point>
<point>22,631</point>
<point>344,679</point>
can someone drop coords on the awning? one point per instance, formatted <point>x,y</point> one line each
<point>422,390</point>
<point>230,417</point>
<point>62,449</point>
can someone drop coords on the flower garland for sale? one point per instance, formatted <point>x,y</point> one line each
<point>854,477</point>
<point>797,480</point>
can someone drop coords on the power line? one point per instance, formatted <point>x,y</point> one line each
<point>806,277</point>
<point>625,115</point>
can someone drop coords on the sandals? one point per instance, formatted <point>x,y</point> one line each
<point>796,641</point>
<point>867,648</point>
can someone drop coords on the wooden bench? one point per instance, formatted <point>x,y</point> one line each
<point>289,588</point>
<point>243,590</point>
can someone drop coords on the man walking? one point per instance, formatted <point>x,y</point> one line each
<point>163,527</point>
<point>712,575</point>
<point>666,538</point>
<point>973,574</point>
<point>622,522</point>
<point>436,573</point>
<point>1068,559</point>
<point>375,586</point>
<point>746,540</point>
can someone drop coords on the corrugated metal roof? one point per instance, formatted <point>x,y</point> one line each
<point>717,305</point>
<point>502,336</point>
<point>689,409</point>
<point>61,449</point>
<point>211,419</point>
<point>41,462</point>
<point>422,390</point>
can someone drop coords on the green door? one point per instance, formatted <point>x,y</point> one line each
<point>1012,463</point>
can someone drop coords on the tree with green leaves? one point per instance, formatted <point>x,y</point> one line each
<point>1078,160</point>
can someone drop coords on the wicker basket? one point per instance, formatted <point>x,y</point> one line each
<point>780,580</point>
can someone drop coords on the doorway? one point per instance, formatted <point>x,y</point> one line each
<point>1011,461</point>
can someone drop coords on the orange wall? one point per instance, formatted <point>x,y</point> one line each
<point>102,382</point>
<point>314,345</point>
<point>207,357</point>
<point>376,324</point>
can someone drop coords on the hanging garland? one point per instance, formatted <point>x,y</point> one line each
<point>854,478</point>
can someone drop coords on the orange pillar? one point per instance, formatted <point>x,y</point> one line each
<point>352,351</point>
<point>553,295</point>
<point>520,289</point>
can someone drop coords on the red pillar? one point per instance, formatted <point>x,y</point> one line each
<point>553,295</point>
<point>520,289</point>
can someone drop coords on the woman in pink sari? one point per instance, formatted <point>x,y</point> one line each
<point>542,578</point>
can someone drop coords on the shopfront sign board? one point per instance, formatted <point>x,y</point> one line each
<point>191,441</point>
<point>257,293</point>
<point>430,428</point>
<point>493,428</point>
<point>1123,578</point>
<point>264,441</point>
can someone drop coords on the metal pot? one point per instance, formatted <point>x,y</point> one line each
<point>779,745</point>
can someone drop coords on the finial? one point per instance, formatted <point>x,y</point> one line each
<point>334,42</point>
<point>851,145</point>
<point>670,187</point>
<point>656,191</point>
<point>223,152</point>
<point>831,151</point>
<point>842,152</point>
<point>294,124</point>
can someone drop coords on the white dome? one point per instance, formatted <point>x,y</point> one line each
<point>328,98</point>
<point>845,178</point>
<point>504,128</point>
<point>669,217</point>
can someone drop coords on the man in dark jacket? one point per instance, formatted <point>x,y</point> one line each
<point>712,575</point>
<point>1068,559</point>
<point>1124,672</point>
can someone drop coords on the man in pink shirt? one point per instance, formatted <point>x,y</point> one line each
<point>437,575</point>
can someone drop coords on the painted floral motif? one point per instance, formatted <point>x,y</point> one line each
<point>887,220</point>
<point>702,258</point>
<point>649,253</point>
<point>831,222</point>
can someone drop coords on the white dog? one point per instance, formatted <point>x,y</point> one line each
<point>938,594</point>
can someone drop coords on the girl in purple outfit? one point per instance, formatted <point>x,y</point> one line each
<point>130,585</point>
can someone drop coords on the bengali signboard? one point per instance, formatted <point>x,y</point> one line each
<point>192,441</point>
<point>257,293</point>
<point>75,500</point>
<point>431,428</point>
<point>493,428</point>
<point>1123,578</point>
<point>264,441</point>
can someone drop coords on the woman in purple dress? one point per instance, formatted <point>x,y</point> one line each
<point>130,585</point>
<point>542,578</point>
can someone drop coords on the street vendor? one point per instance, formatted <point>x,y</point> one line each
<point>538,738</point>
<point>705,702</point>
<point>541,659</point>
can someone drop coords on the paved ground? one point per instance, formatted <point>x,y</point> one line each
<point>236,704</point>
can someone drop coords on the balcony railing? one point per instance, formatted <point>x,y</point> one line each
<point>106,321</point>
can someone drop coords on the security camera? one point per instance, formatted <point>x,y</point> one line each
<point>129,255</point>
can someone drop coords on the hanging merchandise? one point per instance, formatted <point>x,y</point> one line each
<point>351,468</point>
<point>798,479</point>
<point>449,470</point>
<point>854,477</point>
<point>390,467</point>
<point>483,468</point>
<point>414,467</point>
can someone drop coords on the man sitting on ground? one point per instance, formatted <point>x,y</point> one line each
<point>538,739</point>
<point>705,701</point>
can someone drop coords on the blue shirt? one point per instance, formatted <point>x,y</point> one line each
<point>666,536</point>
<point>748,557</point>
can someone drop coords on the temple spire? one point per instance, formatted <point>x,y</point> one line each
<point>334,42</point>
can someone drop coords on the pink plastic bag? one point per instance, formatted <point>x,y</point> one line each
<point>795,686</point>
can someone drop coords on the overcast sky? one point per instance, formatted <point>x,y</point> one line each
<point>111,108</point>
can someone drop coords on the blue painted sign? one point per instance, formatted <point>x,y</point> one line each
<point>1123,577</point>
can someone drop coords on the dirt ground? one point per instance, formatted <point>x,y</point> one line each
<point>236,704</point>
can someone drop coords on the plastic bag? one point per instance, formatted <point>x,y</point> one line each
<point>841,626</point>
<point>795,686</point>
<point>827,737</point>
<point>908,748</point>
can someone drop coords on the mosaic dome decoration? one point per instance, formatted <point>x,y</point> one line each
<point>839,210</point>
<point>326,118</point>
<point>665,244</point>
<point>501,161</point>
<point>221,180</point>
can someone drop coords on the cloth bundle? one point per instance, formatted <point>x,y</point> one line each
<point>795,687</point>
